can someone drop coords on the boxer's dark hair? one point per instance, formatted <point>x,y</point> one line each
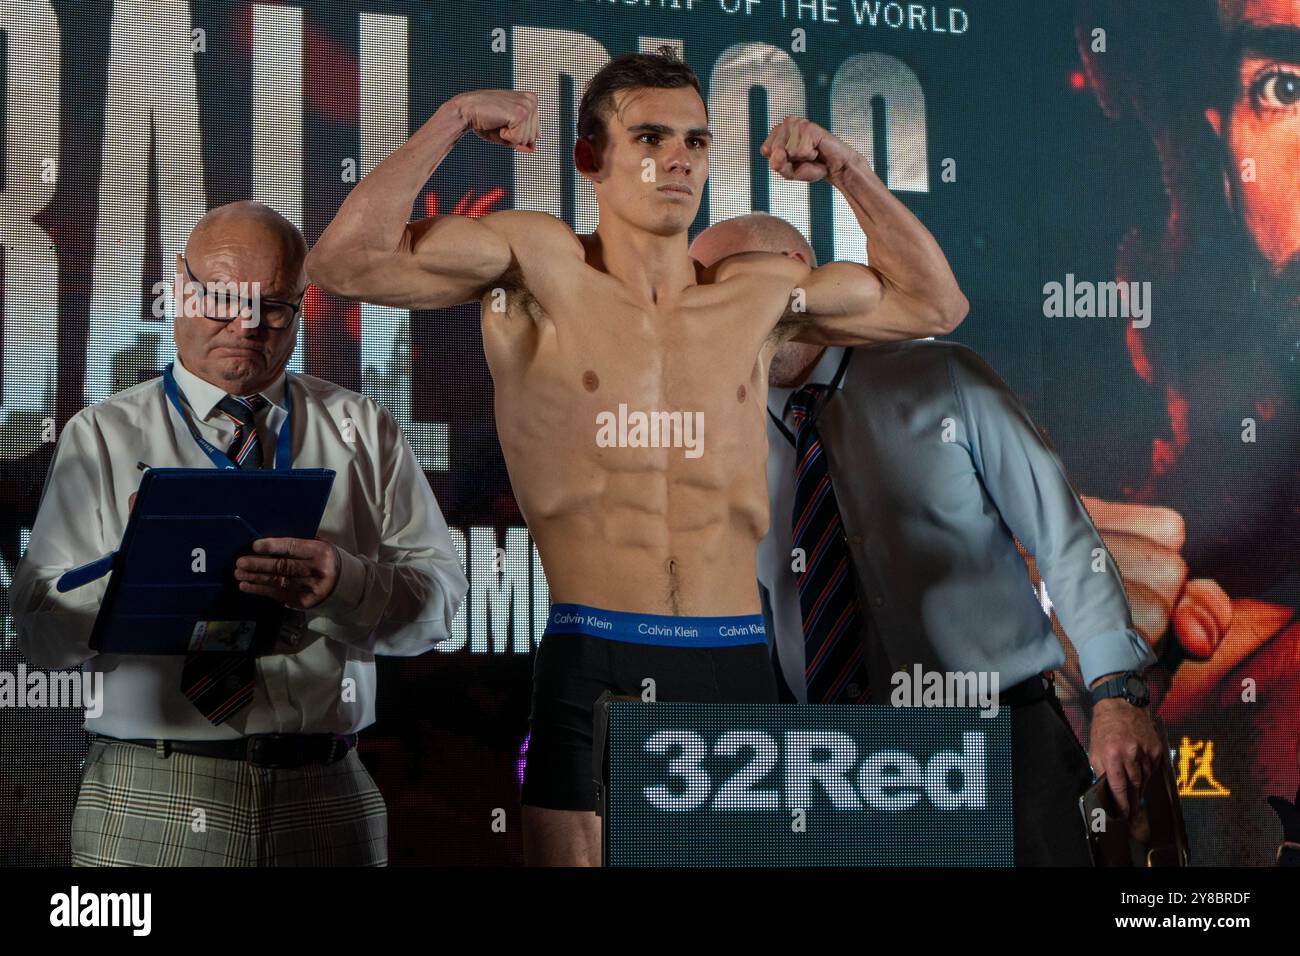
<point>661,70</point>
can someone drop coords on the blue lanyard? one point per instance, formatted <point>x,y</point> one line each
<point>283,442</point>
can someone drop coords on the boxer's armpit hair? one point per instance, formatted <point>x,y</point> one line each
<point>512,280</point>
<point>786,329</point>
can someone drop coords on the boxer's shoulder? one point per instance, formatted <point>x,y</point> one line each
<point>749,284</point>
<point>747,266</point>
<point>545,254</point>
<point>531,232</point>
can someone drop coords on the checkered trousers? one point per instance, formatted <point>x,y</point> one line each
<point>136,808</point>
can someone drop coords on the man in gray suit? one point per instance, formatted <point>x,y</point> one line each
<point>899,477</point>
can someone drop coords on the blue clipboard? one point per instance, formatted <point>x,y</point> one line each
<point>173,587</point>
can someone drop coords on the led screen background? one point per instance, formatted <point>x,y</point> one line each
<point>124,122</point>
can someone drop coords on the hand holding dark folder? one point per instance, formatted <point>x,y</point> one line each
<point>1156,834</point>
<point>173,588</point>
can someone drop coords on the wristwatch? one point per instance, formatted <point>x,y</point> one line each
<point>1130,686</point>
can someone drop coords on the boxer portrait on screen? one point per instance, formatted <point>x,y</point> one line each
<point>1199,499</point>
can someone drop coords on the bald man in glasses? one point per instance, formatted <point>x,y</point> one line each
<point>254,764</point>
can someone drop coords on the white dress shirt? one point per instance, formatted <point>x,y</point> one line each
<point>778,579</point>
<point>400,578</point>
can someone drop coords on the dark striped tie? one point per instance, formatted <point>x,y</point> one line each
<point>828,598</point>
<point>246,450</point>
<point>220,684</point>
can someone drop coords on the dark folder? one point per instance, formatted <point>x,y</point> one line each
<point>173,588</point>
<point>1156,837</point>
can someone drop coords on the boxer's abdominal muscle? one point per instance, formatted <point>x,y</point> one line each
<point>622,526</point>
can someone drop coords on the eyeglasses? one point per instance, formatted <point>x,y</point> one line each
<point>226,301</point>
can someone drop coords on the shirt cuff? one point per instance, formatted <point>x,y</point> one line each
<point>348,591</point>
<point>57,634</point>
<point>1113,652</point>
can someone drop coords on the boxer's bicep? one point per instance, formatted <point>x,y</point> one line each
<point>459,253</point>
<point>438,262</point>
<point>450,260</point>
<point>845,303</point>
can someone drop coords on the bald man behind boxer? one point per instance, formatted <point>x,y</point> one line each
<point>648,544</point>
<point>949,511</point>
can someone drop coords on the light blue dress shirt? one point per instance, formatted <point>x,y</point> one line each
<point>938,468</point>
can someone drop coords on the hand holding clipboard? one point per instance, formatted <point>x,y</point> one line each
<point>174,586</point>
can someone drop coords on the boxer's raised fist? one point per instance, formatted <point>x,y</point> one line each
<point>801,150</point>
<point>506,117</point>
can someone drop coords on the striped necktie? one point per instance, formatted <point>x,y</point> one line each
<point>828,599</point>
<point>246,450</point>
<point>218,683</point>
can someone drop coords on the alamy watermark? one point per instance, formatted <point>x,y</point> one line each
<point>75,908</point>
<point>211,299</point>
<point>38,688</point>
<point>922,688</point>
<point>636,429</point>
<point>1101,300</point>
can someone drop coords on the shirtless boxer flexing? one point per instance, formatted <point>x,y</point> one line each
<point>649,550</point>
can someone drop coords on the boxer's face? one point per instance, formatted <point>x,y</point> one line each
<point>653,159</point>
<point>1260,131</point>
<point>242,356</point>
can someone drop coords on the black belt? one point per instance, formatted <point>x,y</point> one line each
<point>264,750</point>
<point>1029,691</point>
